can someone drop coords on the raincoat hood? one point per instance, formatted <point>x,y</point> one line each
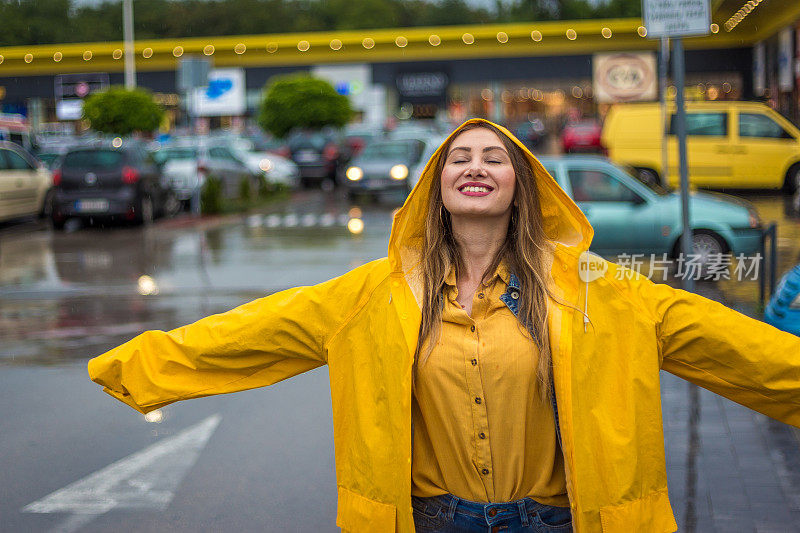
<point>564,222</point>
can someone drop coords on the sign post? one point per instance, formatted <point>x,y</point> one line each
<point>192,73</point>
<point>663,63</point>
<point>675,19</point>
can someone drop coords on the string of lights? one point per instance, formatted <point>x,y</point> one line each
<point>740,15</point>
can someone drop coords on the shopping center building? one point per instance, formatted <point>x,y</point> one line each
<point>507,72</point>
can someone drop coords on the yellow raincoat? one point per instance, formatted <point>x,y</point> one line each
<point>364,326</point>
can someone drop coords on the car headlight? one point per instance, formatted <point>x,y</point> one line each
<point>265,165</point>
<point>399,172</point>
<point>354,173</point>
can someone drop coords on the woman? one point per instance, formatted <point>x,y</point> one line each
<point>543,422</point>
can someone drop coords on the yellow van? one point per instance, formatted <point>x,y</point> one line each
<point>729,144</point>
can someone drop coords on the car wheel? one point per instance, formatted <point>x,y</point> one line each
<point>706,244</point>
<point>792,183</point>
<point>327,185</point>
<point>47,205</point>
<point>58,225</point>
<point>145,215</point>
<point>172,206</point>
<point>648,176</point>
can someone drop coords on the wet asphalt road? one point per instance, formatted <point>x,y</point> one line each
<point>268,464</point>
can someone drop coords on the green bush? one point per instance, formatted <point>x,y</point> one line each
<point>302,101</point>
<point>268,189</point>
<point>118,111</point>
<point>245,190</point>
<point>211,196</point>
<point>264,187</point>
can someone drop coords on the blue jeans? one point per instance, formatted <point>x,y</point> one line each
<point>451,514</point>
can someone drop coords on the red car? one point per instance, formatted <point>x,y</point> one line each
<point>583,136</point>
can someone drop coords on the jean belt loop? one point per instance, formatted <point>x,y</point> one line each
<point>523,513</point>
<point>451,512</point>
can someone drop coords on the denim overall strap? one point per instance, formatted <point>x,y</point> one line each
<point>511,299</point>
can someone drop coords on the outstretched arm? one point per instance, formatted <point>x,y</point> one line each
<point>253,345</point>
<point>722,350</point>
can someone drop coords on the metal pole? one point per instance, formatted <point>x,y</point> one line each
<point>678,71</point>
<point>662,75</point>
<point>127,32</point>
<point>497,100</point>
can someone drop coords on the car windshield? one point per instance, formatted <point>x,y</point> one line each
<point>99,159</point>
<point>170,154</point>
<point>305,141</point>
<point>386,151</point>
<point>584,127</point>
<point>47,158</point>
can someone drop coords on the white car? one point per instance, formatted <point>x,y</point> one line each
<point>185,165</point>
<point>276,169</point>
<point>25,184</point>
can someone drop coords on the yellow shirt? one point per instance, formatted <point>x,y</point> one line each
<point>481,430</point>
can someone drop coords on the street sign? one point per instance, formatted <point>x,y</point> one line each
<point>224,95</point>
<point>676,18</point>
<point>192,73</point>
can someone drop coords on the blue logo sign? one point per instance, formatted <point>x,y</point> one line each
<point>343,88</point>
<point>218,87</point>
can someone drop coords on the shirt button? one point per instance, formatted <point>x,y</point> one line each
<point>492,512</point>
<point>482,435</point>
<point>472,328</point>
<point>485,471</point>
<point>480,295</point>
<point>477,399</point>
<point>564,267</point>
<point>474,362</point>
<point>514,295</point>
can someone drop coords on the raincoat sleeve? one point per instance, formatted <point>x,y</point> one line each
<point>724,351</point>
<point>253,345</point>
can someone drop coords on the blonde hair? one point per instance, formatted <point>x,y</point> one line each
<point>523,250</point>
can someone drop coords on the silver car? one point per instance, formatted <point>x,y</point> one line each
<point>185,165</point>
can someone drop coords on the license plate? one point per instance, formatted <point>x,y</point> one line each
<point>306,156</point>
<point>91,206</point>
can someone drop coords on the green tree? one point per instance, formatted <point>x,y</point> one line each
<point>28,22</point>
<point>120,112</point>
<point>302,101</point>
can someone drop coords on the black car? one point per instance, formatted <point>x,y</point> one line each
<point>318,155</point>
<point>120,184</point>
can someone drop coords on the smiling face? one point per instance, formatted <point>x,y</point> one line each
<point>478,178</point>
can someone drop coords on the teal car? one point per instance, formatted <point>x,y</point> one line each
<point>631,217</point>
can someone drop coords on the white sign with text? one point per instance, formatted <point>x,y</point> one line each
<point>676,18</point>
